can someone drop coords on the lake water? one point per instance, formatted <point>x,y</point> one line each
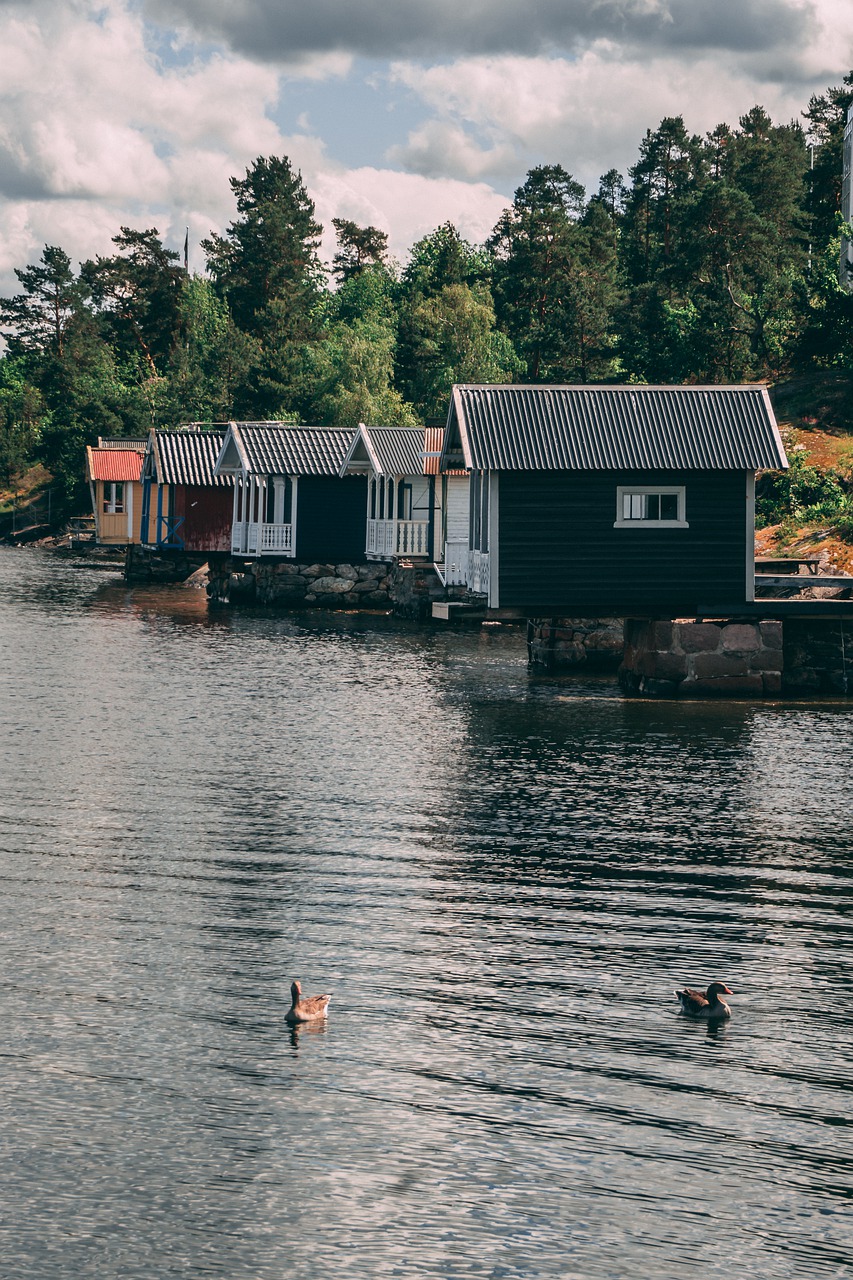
<point>500,876</point>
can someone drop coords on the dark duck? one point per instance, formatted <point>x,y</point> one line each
<point>705,1004</point>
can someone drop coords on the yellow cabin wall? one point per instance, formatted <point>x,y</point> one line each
<point>113,528</point>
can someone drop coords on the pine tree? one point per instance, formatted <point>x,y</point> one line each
<point>37,320</point>
<point>137,291</point>
<point>358,248</point>
<point>266,268</point>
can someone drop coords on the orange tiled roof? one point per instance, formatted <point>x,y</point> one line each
<point>114,464</point>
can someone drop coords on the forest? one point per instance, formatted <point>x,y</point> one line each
<point>714,259</point>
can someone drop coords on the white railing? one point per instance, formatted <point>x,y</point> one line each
<point>456,564</point>
<point>388,538</point>
<point>478,572</point>
<point>412,538</point>
<point>276,539</point>
<point>248,538</point>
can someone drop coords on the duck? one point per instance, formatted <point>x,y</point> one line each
<point>305,1008</point>
<point>705,1004</point>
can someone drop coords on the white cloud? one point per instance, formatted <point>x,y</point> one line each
<point>588,113</point>
<point>104,121</point>
<point>407,206</point>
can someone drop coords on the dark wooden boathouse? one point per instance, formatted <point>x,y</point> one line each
<point>289,500</point>
<point>611,499</point>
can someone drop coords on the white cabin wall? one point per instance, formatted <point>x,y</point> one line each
<point>456,526</point>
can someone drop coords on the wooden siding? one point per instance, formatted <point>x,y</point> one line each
<point>117,529</point>
<point>559,551</point>
<point>206,517</point>
<point>330,524</point>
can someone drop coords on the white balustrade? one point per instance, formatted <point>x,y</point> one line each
<point>252,539</point>
<point>478,574</point>
<point>276,539</point>
<point>412,538</point>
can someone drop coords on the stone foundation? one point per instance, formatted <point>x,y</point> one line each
<point>818,656</point>
<point>733,659</point>
<point>565,643</point>
<point>408,589</point>
<point>142,565</point>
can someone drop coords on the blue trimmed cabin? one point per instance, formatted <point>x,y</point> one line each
<point>185,506</point>
<point>289,499</point>
<point>401,505</point>
<point>611,499</point>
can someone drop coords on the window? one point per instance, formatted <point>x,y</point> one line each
<point>650,508</point>
<point>113,497</point>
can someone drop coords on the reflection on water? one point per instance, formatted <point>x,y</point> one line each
<point>500,877</point>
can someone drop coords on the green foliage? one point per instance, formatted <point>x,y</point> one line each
<point>137,293</point>
<point>454,339</point>
<point>266,268</point>
<point>801,495</point>
<point>348,374</point>
<point>35,322</point>
<point>555,279</point>
<point>358,248</point>
<point>21,413</point>
<point>210,361</point>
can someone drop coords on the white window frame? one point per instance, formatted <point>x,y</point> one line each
<point>113,504</point>
<point>647,490</point>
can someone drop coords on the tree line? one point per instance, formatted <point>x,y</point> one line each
<point>714,260</point>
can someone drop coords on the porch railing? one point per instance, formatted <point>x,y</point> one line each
<point>388,538</point>
<point>478,572</point>
<point>248,538</point>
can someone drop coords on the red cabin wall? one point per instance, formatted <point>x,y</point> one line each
<point>206,516</point>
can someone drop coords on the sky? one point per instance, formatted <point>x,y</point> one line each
<point>402,114</point>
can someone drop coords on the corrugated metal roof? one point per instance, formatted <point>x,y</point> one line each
<point>524,428</point>
<point>398,450</point>
<point>188,457</point>
<point>114,464</point>
<point>278,449</point>
<point>434,439</point>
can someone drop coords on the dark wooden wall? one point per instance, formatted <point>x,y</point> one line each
<point>559,552</point>
<point>331,519</point>
<point>207,513</point>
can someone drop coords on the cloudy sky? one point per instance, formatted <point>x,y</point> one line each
<point>399,113</point>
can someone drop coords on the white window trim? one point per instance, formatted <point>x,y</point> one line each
<point>679,490</point>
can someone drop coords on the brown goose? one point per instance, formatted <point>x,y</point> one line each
<point>305,1008</point>
<point>705,1004</point>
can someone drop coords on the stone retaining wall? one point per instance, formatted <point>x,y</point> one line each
<point>142,565</point>
<point>408,590</point>
<point>704,659</point>
<point>566,643</point>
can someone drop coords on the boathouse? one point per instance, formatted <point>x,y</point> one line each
<point>611,500</point>
<point>401,499</point>
<point>289,498</point>
<point>185,506</point>
<point>113,473</point>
